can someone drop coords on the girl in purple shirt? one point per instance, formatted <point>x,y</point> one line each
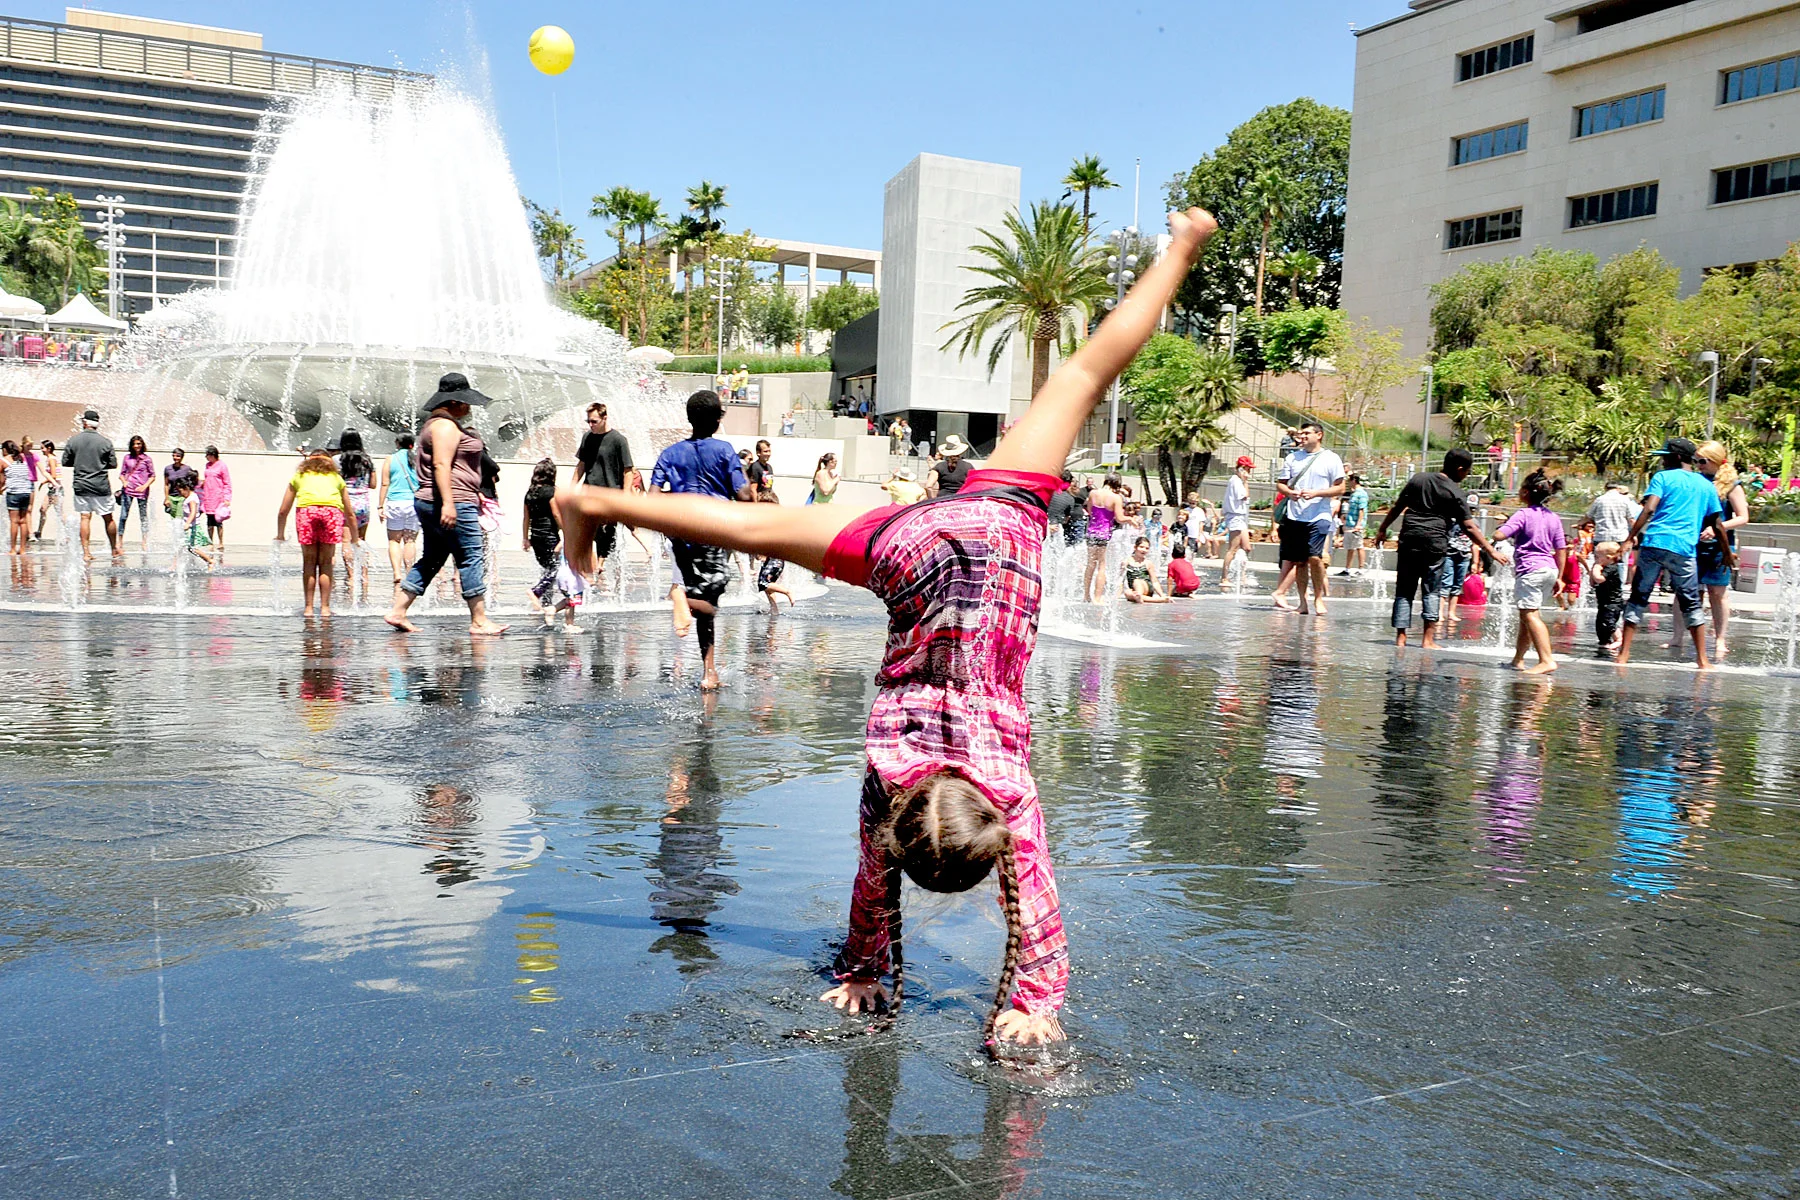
<point>1540,551</point>
<point>135,473</point>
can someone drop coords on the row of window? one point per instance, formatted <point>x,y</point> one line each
<point>1602,208</point>
<point>1773,178</point>
<point>87,154</point>
<point>1739,83</point>
<point>1491,143</point>
<point>23,116</point>
<point>252,103</point>
<point>1500,56</point>
<point>1620,113</point>
<point>16,178</point>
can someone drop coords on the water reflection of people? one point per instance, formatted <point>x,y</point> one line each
<point>1664,764</point>
<point>689,848</point>
<point>445,818</point>
<point>879,1164</point>
<point>1294,748</point>
<point>1409,767</point>
<point>1509,802</point>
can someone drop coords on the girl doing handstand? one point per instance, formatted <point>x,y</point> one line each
<point>948,794</point>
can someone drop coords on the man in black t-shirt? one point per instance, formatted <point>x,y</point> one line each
<point>951,472</point>
<point>761,472</point>
<point>603,460</point>
<point>1433,503</point>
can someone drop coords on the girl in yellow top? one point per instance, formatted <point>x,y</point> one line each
<point>325,516</point>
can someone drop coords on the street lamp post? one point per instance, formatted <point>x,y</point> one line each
<point>719,368</point>
<point>1754,364</point>
<point>1711,358</point>
<point>112,240</point>
<point>1230,311</point>
<point>1120,275</point>
<point>1430,373</point>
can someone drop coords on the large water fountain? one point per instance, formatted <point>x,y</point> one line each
<point>383,244</point>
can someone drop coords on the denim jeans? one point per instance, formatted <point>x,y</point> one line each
<point>1652,562</point>
<point>1456,570</point>
<point>1417,570</point>
<point>437,544</point>
<point>143,507</point>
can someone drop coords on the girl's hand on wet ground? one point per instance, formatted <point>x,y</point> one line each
<point>856,995</point>
<point>1024,1029</point>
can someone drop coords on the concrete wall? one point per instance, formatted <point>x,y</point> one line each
<point>1409,107</point>
<point>933,211</point>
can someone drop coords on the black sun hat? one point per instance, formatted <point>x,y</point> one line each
<point>1676,450</point>
<point>454,388</point>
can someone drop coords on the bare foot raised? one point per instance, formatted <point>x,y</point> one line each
<point>398,621</point>
<point>709,682</point>
<point>486,629</point>
<point>1286,605</point>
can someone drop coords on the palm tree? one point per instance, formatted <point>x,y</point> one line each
<point>704,199</point>
<point>1297,265</point>
<point>1273,197</point>
<point>646,214</point>
<point>616,205</point>
<point>555,241</point>
<point>1046,280</point>
<point>1087,176</point>
<point>688,236</point>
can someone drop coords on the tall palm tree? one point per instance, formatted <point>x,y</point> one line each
<point>616,205</point>
<point>1297,265</point>
<point>688,237</point>
<point>1087,176</point>
<point>1273,196</point>
<point>646,214</point>
<point>1045,281</point>
<point>704,199</point>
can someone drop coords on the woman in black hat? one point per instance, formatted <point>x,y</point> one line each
<point>450,454</point>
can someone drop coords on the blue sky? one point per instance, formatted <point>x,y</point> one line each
<point>805,109</point>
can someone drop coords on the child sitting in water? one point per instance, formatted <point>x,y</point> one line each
<point>1184,581</point>
<point>948,795</point>
<point>1608,574</point>
<point>1139,583</point>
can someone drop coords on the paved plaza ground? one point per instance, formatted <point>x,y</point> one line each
<point>326,912</point>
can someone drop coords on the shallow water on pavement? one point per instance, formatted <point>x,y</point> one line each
<point>321,911</point>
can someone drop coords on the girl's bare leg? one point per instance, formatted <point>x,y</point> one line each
<point>1041,440</point>
<point>1522,640</point>
<point>324,574</point>
<point>1720,599</point>
<point>309,578</point>
<point>1532,624</point>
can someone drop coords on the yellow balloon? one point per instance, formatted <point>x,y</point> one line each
<point>551,49</point>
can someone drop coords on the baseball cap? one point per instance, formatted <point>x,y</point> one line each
<point>1676,450</point>
<point>1244,460</point>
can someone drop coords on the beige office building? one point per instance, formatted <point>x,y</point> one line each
<point>1486,128</point>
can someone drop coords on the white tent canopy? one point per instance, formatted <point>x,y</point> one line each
<point>165,316</point>
<point>80,313</point>
<point>19,306</point>
<point>653,356</point>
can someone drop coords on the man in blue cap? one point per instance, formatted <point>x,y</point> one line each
<point>1677,505</point>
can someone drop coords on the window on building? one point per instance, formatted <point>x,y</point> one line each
<point>1771,178</point>
<point>1498,57</point>
<point>1621,205</point>
<point>1763,79</point>
<point>1617,12</point>
<point>1491,143</point>
<point>1479,231</point>
<point>1620,112</point>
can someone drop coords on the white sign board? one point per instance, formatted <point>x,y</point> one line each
<point>1112,454</point>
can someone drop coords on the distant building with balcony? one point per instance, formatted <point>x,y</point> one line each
<point>1487,128</point>
<point>160,113</point>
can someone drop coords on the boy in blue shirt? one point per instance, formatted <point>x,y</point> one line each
<point>703,465</point>
<point>1677,505</point>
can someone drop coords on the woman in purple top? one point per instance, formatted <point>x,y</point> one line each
<point>215,496</point>
<point>1540,550</point>
<point>135,473</point>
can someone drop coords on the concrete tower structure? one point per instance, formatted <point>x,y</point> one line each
<point>934,210</point>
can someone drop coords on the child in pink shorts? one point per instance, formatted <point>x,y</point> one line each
<point>947,792</point>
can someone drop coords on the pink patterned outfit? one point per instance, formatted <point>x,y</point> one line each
<point>960,577</point>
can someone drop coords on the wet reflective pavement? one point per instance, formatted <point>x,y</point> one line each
<point>324,912</point>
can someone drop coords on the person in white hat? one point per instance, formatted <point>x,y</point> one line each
<point>951,472</point>
<point>901,489</point>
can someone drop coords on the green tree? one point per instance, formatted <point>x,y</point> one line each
<point>1087,176</point>
<point>1296,338</point>
<point>1046,281</point>
<point>616,204</point>
<point>1274,196</point>
<point>557,245</point>
<point>1177,392</point>
<point>774,317</point>
<point>1309,143</point>
<point>1296,266</point>
<point>1369,361</point>
<point>840,304</point>
<point>50,251</point>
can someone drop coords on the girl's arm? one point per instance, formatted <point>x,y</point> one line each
<point>1041,439</point>
<point>349,513</point>
<point>525,529</point>
<point>281,518</point>
<point>1043,946</point>
<point>800,535</point>
<point>1738,507</point>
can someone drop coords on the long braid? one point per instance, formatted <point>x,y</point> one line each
<point>1015,933</point>
<point>897,958</point>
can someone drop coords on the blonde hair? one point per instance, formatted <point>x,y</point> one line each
<point>1725,477</point>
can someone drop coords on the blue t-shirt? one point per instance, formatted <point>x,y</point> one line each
<point>701,467</point>
<point>403,482</point>
<point>1684,500</point>
<point>1355,507</point>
